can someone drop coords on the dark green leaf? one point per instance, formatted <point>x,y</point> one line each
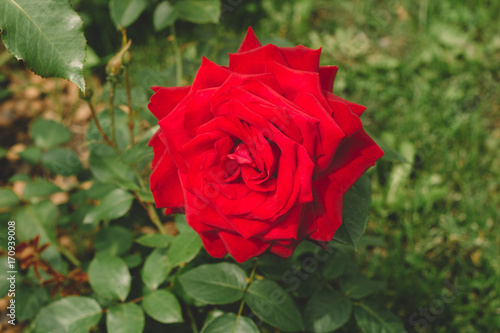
<point>156,268</point>
<point>274,305</point>
<point>358,286</point>
<point>163,306</point>
<point>372,318</point>
<point>29,301</point>
<point>355,211</point>
<point>39,188</point>
<point>126,12</point>
<point>155,240</point>
<point>8,198</point>
<point>3,152</point>
<point>31,155</point>
<point>107,168</point>
<point>215,283</point>
<point>136,153</point>
<point>164,15</point>
<point>228,322</point>
<point>185,247</point>
<point>98,191</point>
<point>199,11</point>
<point>334,266</point>
<point>114,205</point>
<point>125,318</point>
<point>62,161</point>
<point>4,283</point>
<point>113,241</point>
<point>145,195</point>
<point>47,35</point>
<point>73,314</point>
<point>48,133</point>
<point>326,311</point>
<point>109,277</point>
<point>19,177</point>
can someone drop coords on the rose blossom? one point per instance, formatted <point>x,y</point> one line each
<point>259,154</point>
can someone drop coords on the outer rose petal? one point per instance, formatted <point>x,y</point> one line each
<point>250,42</point>
<point>302,58</point>
<point>327,77</point>
<point>165,184</point>
<point>165,100</point>
<point>243,249</point>
<point>213,244</point>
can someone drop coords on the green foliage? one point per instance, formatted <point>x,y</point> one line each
<point>163,306</point>
<point>48,133</point>
<point>126,12</point>
<point>47,35</point>
<point>109,277</point>
<point>327,311</point>
<point>229,322</point>
<point>125,318</point>
<point>73,314</point>
<point>8,198</point>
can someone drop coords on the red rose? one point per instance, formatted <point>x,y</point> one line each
<point>258,154</point>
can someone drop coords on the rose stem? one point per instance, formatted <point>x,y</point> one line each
<point>178,57</point>
<point>242,304</point>
<point>127,89</point>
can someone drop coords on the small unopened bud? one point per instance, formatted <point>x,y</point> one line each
<point>127,58</point>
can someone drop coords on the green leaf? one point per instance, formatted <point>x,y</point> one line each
<point>327,311</point>
<point>185,247</point>
<point>113,241</point>
<point>355,212</point>
<point>39,219</point>
<point>29,301</point>
<point>358,286</point>
<point>8,198</point>
<point>114,205</point>
<point>19,177</point>
<point>136,153</point>
<point>39,188</point>
<point>274,305</point>
<point>163,306</point>
<point>109,277</point>
<point>98,191</point>
<point>372,318</point>
<point>4,283</point>
<point>229,322</point>
<point>155,240</point>
<point>73,314</point>
<point>215,283</point>
<point>126,12</point>
<point>107,168</point>
<point>48,133</point>
<point>156,268</point>
<point>31,155</point>
<point>125,318</point>
<point>335,265</point>
<point>133,260</point>
<point>164,15</point>
<point>199,11</point>
<point>47,35</point>
<point>62,161</point>
<point>3,152</point>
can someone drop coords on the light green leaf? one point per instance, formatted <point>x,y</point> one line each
<point>372,318</point>
<point>156,268</point>
<point>114,205</point>
<point>62,161</point>
<point>73,314</point>
<point>107,168</point>
<point>122,132</point>
<point>125,318</point>
<point>164,15</point>
<point>327,311</point>
<point>215,283</point>
<point>163,306</point>
<point>274,305</point>
<point>185,247</point>
<point>109,277</point>
<point>8,198</point>
<point>136,153</point>
<point>4,283</point>
<point>155,240</point>
<point>31,154</point>
<point>48,133</point>
<point>335,265</point>
<point>47,35</point>
<point>133,260</point>
<point>229,322</point>
<point>113,241</point>
<point>39,188</point>
<point>40,219</point>
<point>355,212</point>
<point>126,12</point>
<point>3,152</point>
<point>199,11</point>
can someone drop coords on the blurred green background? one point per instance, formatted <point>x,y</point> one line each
<point>429,73</point>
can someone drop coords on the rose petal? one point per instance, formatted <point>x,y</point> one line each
<point>164,100</point>
<point>250,41</point>
<point>213,244</point>
<point>301,57</point>
<point>255,61</point>
<point>327,77</point>
<point>243,249</point>
<point>327,208</point>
